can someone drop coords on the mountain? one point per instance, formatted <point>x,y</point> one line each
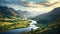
<point>53,28</point>
<point>26,13</point>
<point>47,18</point>
<point>11,19</point>
<point>7,12</point>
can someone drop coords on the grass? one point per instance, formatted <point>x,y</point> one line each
<point>14,24</point>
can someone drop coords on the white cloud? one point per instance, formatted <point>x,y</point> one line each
<point>33,4</point>
<point>51,2</point>
<point>43,4</point>
<point>35,8</point>
<point>38,8</point>
<point>23,0</point>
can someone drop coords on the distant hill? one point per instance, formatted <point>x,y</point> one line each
<point>47,18</point>
<point>25,13</point>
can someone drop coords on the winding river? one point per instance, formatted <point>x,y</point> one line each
<point>21,30</point>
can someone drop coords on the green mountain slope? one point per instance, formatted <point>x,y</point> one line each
<point>53,28</point>
<point>10,19</point>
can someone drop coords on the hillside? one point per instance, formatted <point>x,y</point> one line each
<point>49,17</point>
<point>53,28</point>
<point>10,19</point>
<point>49,23</point>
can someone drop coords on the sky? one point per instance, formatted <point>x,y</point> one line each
<point>36,0</point>
<point>34,6</point>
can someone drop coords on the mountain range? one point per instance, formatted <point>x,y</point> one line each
<point>48,18</point>
<point>11,19</point>
<point>7,12</point>
<point>10,12</point>
<point>25,13</point>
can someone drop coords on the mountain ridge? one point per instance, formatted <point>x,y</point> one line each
<point>47,18</point>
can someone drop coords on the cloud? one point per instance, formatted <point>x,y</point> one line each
<point>34,4</point>
<point>50,2</point>
<point>33,7</point>
<point>23,0</point>
<point>47,3</point>
<point>38,7</point>
<point>24,3</point>
<point>13,2</point>
<point>3,2</point>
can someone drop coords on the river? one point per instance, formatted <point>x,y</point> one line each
<point>21,30</point>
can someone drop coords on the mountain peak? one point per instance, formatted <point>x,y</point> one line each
<point>57,10</point>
